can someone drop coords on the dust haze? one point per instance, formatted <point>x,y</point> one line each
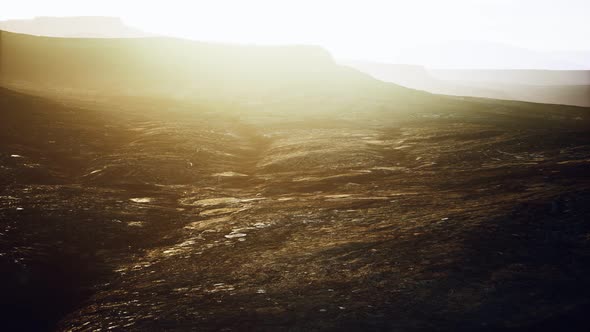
<point>159,183</point>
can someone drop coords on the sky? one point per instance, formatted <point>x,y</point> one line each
<point>365,29</point>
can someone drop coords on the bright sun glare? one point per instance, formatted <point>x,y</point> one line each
<point>369,29</point>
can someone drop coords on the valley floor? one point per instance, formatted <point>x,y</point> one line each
<point>139,219</point>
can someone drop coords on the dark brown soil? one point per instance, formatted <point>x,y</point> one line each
<point>122,215</point>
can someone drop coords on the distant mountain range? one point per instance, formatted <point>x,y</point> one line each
<point>568,87</point>
<point>515,76</point>
<point>182,67</point>
<point>171,66</point>
<point>491,55</point>
<point>447,55</point>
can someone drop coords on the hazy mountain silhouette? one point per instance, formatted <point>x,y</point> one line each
<point>78,26</point>
<point>488,55</point>
<point>452,54</point>
<point>571,87</point>
<point>170,66</point>
<point>568,87</point>
<point>515,76</point>
<point>416,77</point>
<point>412,76</point>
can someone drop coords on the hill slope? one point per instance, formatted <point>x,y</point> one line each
<point>540,86</point>
<point>173,66</point>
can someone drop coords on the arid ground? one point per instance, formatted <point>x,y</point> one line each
<point>143,215</point>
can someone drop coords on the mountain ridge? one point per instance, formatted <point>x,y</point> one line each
<point>173,63</point>
<point>73,26</point>
<point>567,87</point>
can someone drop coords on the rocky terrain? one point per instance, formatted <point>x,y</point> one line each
<point>137,214</point>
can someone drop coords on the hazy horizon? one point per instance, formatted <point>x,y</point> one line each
<point>378,31</point>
